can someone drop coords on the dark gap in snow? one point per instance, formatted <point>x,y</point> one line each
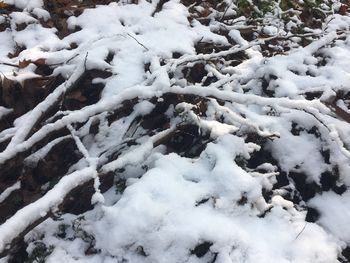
<point>267,194</point>
<point>187,141</point>
<point>157,119</point>
<point>5,123</point>
<point>248,34</point>
<point>21,26</point>
<point>311,95</point>
<point>5,24</point>
<point>159,6</point>
<point>10,205</point>
<point>346,255</point>
<point>120,184</point>
<point>243,200</point>
<point>201,249</point>
<point>79,200</point>
<point>11,171</point>
<point>292,195</point>
<point>50,167</point>
<point>311,73</point>
<point>326,154</point>
<point>123,110</point>
<point>259,157</point>
<point>265,84</point>
<point>141,251</point>
<point>16,51</point>
<point>157,122</point>
<point>23,99</point>
<point>73,45</point>
<point>202,201</point>
<point>176,55</point>
<point>196,73</point>
<point>209,47</point>
<point>264,213</point>
<point>306,190</point>
<point>37,177</point>
<point>84,91</point>
<point>296,129</point>
<point>328,180</point>
<point>39,253</point>
<point>312,215</point>
<point>236,58</point>
<point>282,180</point>
<point>314,131</point>
<point>147,67</point>
<point>110,57</point>
<point>43,70</point>
<point>340,189</point>
<point>188,3</point>
<point>209,80</point>
<point>21,255</point>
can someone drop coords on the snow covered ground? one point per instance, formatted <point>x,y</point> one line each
<point>226,138</point>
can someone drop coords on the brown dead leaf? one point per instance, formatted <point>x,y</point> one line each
<point>4,5</point>
<point>40,62</point>
<point>24,63</point>
<point>343,9</point>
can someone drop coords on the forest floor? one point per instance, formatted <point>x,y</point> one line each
<point>168,131</point>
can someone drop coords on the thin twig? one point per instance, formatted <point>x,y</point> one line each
<point>223,16</point>
<point>301,231</point>
<point>85,60</point>
<point>65,62</point>
<point>9,64</point>
<point>138,42</point>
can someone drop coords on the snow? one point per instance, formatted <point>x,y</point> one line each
<point>335,213</point>
<point>25,4</point>
<point>35,35</point>
<point>305,151</point>
<point>9,190</point>
<point>270,30</point>
<point>6,44</point>
<point>172,203</point>
<point>159,213</point>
